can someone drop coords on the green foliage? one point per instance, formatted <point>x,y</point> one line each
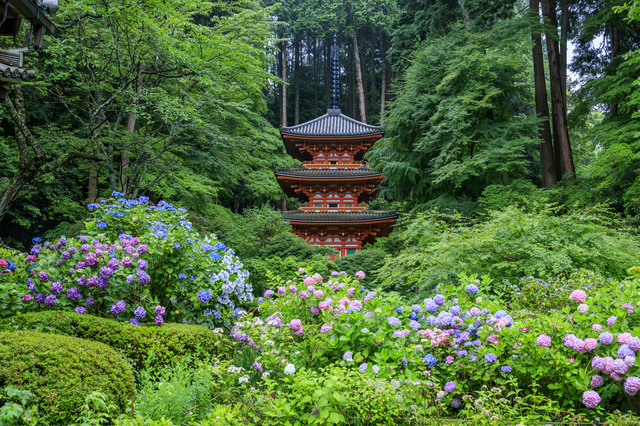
<point>462,119</point>
<point>183,392</point>
<point>16,410</point>
<point>61,371</point>
<point>96,410</point>
<point>510,244</point>
<point>154,346</point>
<point>368,261</point>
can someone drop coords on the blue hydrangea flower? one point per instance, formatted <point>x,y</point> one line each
<point>500,314</point>
<point>413,316</point>
<point>416,309</point>
<point>399,309</point>
<point>490,357</point>
<point>471,289</point>
<point>134,321</point>
<point>101,225</point>
<point>439,299</point>
<point>220,246</point>
<point>204,296</point>
<point>36,240</point>
<point>182,276</point>
<point>430,360</point>
<point>505,369</point>
<point>177,245</point>
<point>215,255</point>
<point>430,306</point>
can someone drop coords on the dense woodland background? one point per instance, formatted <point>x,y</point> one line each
<point>484,111</point>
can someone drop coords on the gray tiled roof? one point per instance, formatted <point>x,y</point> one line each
<point>333,123</point>
<point>324,217</point>
<point>304,172</point>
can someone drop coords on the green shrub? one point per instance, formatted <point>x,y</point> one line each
<point>61,371</point>
<point>368,261</point>
<point>164,344</point>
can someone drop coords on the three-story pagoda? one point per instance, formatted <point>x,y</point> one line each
<point>334,185</point>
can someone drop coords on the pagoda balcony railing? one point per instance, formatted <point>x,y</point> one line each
<point>312,165</point>
<point>324,208</point>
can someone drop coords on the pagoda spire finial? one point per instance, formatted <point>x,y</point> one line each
<point>335,74</point>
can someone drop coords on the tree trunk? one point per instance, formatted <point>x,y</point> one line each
<point>383,91</point>
<point>564,29</point>
<point>315,78</point>
<point>372,102</point>
<point>465,14</point>
<point>92,190</point>
<point>356,56</point>
<point>557,97</point>
<point>283,112</point>
<point>542,108</point>
<point>296,114</point>
<point>327,72</point>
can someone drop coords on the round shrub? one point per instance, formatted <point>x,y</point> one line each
<point>164,344</point>
<point>61,371</point>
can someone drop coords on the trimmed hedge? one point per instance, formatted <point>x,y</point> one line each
<point>62,371</point>
<point>165,344</point>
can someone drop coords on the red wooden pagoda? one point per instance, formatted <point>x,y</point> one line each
<point>334,184</point>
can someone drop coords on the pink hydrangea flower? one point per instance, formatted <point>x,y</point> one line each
<point>630,361</point>
<point>624,338</point>
<point>611,320</point>
<point>596,327</point>
<point>315,310</point>
<point>591,399</point>
<point>598,363</point>
<point>360,275</point>
<point>309,281</point>
<point>620,367</point>
<point>608,365</point>
<point>578,296</point>
<point>351,292</point>
<point>319,294</point>
<point>590,344</point>
<point>27,297</point>
<point>634,344</point>
<point>449,360</point>
<point>325,305</point>
<point>615,376</point>
<point>628,307</point>
<point>544,341</point>
<point>583,308</point>
<point>301,270</point>
<point>571,360</point>
<point>632,385</point>
<point>317,277</point>
<point>474,312</point>
<point>325,328</point>
<point>356,304</point>
<point>303,295</point>
<point>596,381</point>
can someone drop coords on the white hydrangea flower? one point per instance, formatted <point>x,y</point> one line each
<point>290,369</point>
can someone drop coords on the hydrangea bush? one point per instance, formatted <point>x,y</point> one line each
<point>459,342</point>
<point>141,263</point>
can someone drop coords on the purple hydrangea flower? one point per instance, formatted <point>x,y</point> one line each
<point>89,301</point>
<point>50,300</point>
<point>93,281</point>
<point>142,264</point>
<point>80,310</point>
<point>113,264</point>
<point>134,321</point>
<point>624,351</point>
<point>450,386</point>
<point>362,368</point>
<point>439,300</point>
<point>268,294</point>
<point>505,369</point>
<point>127,262</point>
<point>74,294</point>
<point>142,249</point>
<point>118,308</point>
<point>160,310</point>
<point>143,277</point>
<point>348,356</point>
<point>43,276</point>
<point>393,321</point>
<point>159,320</point>
<point>606,338</point>
<point>471,289</point>
<point>140,312</point>
<point>130,279</point>
<point>204,296</point>
<point>65,255</point>
<point>106,272</point>
<point>56,288</point>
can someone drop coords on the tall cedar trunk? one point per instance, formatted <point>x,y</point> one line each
<point>615,51</point>
<point>124,155</point>
<point>564,30</point>
<point>296,114</point>
<point>557,97</point>
<point>315,78</point>
<point>373,72</point>
<point>92,190</point>
<point>356,57</point>
<point>283,91</point>
<point>383,91</point>
<point>542,107</point>
<point>327,73</point>
<point>465,14</point>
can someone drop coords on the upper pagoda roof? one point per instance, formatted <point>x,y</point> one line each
<point>332,124</point>
<point>365,216</point>
<point>338,174</point>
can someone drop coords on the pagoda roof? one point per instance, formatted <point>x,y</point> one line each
<point>365,216</point>
<point>332,124</point>
<point>328,174</point>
